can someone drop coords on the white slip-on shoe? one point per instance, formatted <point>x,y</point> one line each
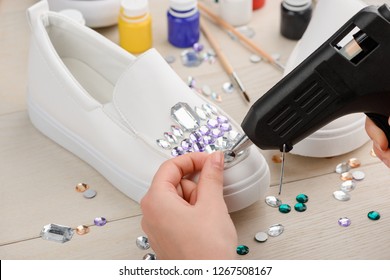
<point>346,133</point>
<point>97,13</point>
<point>113,110</point>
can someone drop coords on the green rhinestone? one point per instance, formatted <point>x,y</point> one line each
<point>373,215</point>
<point>300,207</point>
<point>302,198</point>
<point>242,250</point>
<point>284,208</point>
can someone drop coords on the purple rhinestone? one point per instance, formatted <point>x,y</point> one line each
<point>208,140</point>
<point>100,221</point>
<point>212,123</point>
<point>225,127</point>
<point>186,144</point>
<point>344,222</point>
<point>222,119</point>
<point>198,47</point>
<point>195,136</point>
<point>204,130</point>
<point>177,151</point>
<point>199,147</point>
<point>216,132</point>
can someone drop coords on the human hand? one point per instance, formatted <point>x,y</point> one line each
<point>381,145</point>
<point>188,220</point>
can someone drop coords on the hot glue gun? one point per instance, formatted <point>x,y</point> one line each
<point>346,74</point>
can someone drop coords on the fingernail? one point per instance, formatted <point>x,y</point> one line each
<point>217,159</point>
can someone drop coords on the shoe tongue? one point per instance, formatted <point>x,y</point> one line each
<point>146,92</point>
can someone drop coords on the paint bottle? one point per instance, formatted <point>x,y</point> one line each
<point>135,26</point>
<point>257,4</point>
<point>295,17</point>
<point>183,23</point>
<point>236,12</point>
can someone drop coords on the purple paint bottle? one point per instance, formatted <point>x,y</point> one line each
<point>183,23</point>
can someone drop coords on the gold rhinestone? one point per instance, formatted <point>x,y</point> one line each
<point>82,229</point>
<point>276,158</point>
<point>354,162</point>
<point>81,187</point>
<point>373,154</point>
<point>345,176</point>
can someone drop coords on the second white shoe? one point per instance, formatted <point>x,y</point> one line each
<point>113,110</point>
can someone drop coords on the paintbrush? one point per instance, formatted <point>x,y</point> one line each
<point>223,59</point>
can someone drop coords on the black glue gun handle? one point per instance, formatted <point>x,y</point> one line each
<point>383,123</point>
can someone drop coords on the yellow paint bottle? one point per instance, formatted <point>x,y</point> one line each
<point>135,26</point>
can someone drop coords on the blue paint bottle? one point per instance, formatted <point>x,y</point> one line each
<point>183,23</point>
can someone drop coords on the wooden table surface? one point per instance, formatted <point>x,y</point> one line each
<point>38,177</point>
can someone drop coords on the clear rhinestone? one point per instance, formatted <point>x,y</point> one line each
<point>254,58</point>
<point>348,186</point>
<point>344,222</point>
<point>358,175</point>
<point>341,195</point>
<point>190,58</point>
<point>163,143</point>
<point>142,243</point>
<point>261,236</point>
<point>89,193</point>
<point>273,201</point>
<point>275,230</point>
<point>204,130</point>
<point>206,90</point>
<point>228,87</point>
<point>176,130</point>
<point>246,31</point>
<point>170,137</point>
<point>210,148</point>
<point>223,143</point>
<point>201,113</point>
<point>185,116</point>
<point>233,135</point>
<point>57,233</point>
<point>210,109</point>
<point>342,167</point>
<point>150,257</point>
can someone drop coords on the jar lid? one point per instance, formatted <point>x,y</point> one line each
<point>297,5</point>
<point>135,8</point>
<point>183,5</point>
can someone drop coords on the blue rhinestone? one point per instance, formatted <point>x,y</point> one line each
<point>242,250</point>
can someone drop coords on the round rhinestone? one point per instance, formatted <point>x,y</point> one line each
<point>261,236</point>
<point>208,139</point>
<point>344,222</point>
<point>186,144</point>
<point>242,250</point>
<point>373,215</point>
<point>342,167</point>
<point>247,31</point>
<point>228,87</point>
<point>100,221</point>
<point>346,176</point>
<point>275,230</point>
<point>276,158</point>
<point>191,82</point>
<point>222,119</point>
<point>216,132</point>
<point>284,208</point>
<point>81,187</point>
<point>150,257</point>
<point>177,151</point>
<point>273,201</point>
<point>142,243</point>
<point>348,186</point>
<point>254,58</point>
<point>163,144</point>
<point>353,162</point>
<point>212,123</point>
<point>204,130</point>
<point>82,229</point>
<point>300,207</point>
<point>341,195</point>
<point>190,58</point>
<point>303,198</point>
<point>89,193</point>
<point>198,47</point>
<point>358,175</point>
<point>225,127</point>
<point>195,136</point>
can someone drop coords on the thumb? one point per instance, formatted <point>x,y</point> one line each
<point>210,184</point>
